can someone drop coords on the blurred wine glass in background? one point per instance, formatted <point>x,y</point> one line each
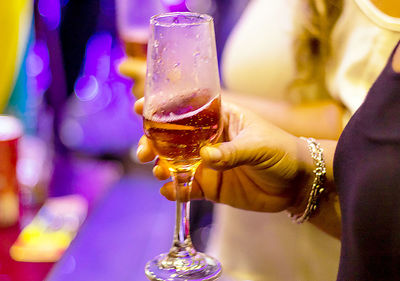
<point>133,18</point>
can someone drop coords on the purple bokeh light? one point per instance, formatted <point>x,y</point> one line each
<point>38,68</point>
<point>50,10</point>
<point>99,117</point>
<point>201,6</point>
<point>175,5</point>
<point>86,87</point>
<point>97,58</point>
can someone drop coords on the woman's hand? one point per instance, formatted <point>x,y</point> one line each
<point>135,68</point>
<point>255,167</point>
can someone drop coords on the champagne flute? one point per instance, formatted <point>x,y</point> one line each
<point>182,114</point>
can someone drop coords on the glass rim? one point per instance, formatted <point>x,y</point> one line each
<point>154,20</point>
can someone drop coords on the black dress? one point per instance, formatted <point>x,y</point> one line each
<point>367,175</point>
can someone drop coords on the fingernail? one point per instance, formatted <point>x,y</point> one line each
<point>214,154</point>
<point>156,170</point>
<point>139,149</point>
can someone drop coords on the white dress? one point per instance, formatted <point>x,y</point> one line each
<point>258,60</point>
<point>362,42</point>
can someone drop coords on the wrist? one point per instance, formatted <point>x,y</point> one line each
<point>303,183</point>
<point>310,189</point>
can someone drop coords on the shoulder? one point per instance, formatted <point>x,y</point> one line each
<point>396,60</point>
<point>388,7</point>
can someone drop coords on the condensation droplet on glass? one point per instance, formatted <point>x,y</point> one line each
<point>174,75</point>
<point>196,56</point>
<point>150,83</point>
<point>153,55</point>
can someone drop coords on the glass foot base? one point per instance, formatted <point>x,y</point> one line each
<point>197,267</point>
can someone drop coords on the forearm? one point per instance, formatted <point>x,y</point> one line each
<point>321,119</point>
<point>327,218</point>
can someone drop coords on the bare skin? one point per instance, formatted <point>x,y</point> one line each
<point>396,61</point>
<point>389,7</point>
<point>258,167</point>
<point>298,119</point>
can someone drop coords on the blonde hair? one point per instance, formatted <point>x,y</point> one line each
<point>312,48</point>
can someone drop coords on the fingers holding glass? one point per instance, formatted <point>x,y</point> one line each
<point>138,107</point>
<point>169,192</point>
<point>145,152</point>
<point>135,68</point>
<point>161,170</point>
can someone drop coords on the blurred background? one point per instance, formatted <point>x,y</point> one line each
<point>86,210</point>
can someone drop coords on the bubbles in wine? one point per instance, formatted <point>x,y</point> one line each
<point>183,124</point>
<point>167,107</point>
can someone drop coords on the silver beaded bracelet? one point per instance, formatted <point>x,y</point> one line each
<point>317,187</point>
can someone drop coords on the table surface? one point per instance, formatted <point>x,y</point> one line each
<point>131,224</point>
<point>11,270</point>
<point>128,225</point>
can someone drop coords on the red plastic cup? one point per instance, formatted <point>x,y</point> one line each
<point>10,132</point>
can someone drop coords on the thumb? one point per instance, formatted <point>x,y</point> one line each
<point>138,107</point>
<point>228,155</point>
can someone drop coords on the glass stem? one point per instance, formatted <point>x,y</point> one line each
<point>182,244</point>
